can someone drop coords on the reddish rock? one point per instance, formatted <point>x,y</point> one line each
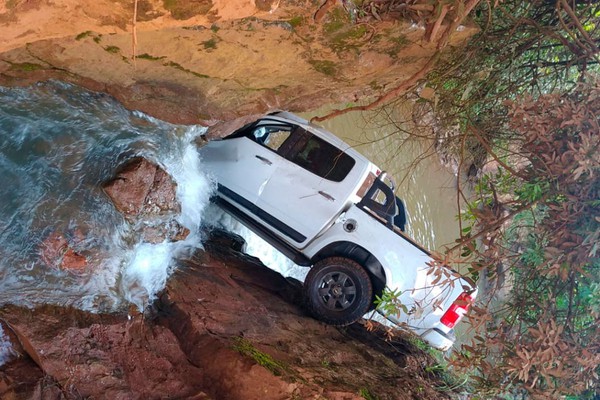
<point>142,188</point>
<point>146,195</point>
<point>55,251</point>
<point>52,249</point>
<point>161,197</point>
<point>72,261</point>
<point>171,231</point>
<point>130,188</point>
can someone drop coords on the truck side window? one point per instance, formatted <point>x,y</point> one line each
<point>318,156</point>
<point>270,136</point>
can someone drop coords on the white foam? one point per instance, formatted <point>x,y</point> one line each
<point>7,352</point>
<point>147,270</point>
<point>255,245</point>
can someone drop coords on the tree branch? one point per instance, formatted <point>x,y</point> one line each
<point>387,97</point>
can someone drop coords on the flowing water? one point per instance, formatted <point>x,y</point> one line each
<point>59,143</point>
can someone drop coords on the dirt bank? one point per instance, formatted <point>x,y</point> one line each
<point>226,327</point>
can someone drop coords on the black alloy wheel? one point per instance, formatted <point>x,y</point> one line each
<point>338,291</point>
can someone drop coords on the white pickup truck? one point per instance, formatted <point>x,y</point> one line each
<point>327,207</point>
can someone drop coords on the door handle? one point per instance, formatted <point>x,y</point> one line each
<point>265,160</point>
<point>326,195</point>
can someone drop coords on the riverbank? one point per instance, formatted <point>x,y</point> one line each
<point>225,327</point>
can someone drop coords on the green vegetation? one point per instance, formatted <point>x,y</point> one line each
<point>296,21</point>
<point>210,44</point>
<point>366,394</point>
<point>397,43</point>
<point>27,67</point>
<point>147,56</point>
<point>525,92</point>
<point>182,9</point>
<point>324,66</point>
<point>519,106</point>
<point>181,68</point>
<point>83,35</point>
<point>112,49</point>
<point>342,34</point>
<point>246,348</point>
<point>337,20</point>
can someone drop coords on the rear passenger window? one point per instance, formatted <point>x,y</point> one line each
<point>318,156</point>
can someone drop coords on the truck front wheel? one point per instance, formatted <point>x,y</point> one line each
<point>338,291</point>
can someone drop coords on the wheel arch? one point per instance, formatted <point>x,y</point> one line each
<point>359,254</point>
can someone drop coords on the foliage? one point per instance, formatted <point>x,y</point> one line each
<point>246,348</point>
<point>524,92</point>
<point>531,48</point>
<point>366,394</point>
<point>524,105</point>
<point>112,49</point>
<point>545,338</point>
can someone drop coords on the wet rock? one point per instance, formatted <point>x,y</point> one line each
<point>222,239</point>
<point>52,249</point>
<point>56,251</point>
<point>142,188</point>
<point>146,195</point>
<point>105,356</point>
<point>159,231</point>
<point>72,261</point>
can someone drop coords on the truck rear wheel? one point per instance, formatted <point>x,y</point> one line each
<point>338,291</point>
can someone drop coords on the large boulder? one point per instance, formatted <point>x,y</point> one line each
<point>146,195</point>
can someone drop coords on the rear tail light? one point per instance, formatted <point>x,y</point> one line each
<point>457,310</point>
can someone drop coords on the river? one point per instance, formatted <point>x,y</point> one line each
<point>59,143</point>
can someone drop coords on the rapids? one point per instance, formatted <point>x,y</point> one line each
<point>58,144</point>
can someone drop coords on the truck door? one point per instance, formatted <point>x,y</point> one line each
<point>242,165</point>
<point>310,185</point>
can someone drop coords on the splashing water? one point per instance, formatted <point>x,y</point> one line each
<point>255,245</point>
<point>58,144</point>
<point>7,353</point>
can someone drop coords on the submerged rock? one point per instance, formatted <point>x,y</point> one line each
<point>56,251</point>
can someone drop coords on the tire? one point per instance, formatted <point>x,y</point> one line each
<point>338,291</point>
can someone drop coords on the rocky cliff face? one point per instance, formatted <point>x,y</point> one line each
<point>201,61</point>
